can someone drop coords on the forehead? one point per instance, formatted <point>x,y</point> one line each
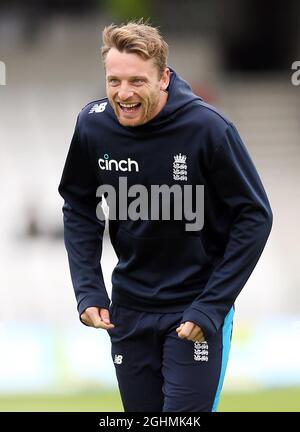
<point>128,64</point>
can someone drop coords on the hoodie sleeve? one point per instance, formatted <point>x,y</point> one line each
<point>83,231</point>
<point>235,181</point>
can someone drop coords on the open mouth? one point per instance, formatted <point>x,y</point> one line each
<point>129,107</point>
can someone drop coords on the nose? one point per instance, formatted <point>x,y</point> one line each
<point>124,93</point>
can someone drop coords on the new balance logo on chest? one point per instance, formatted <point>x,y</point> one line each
<point>98,108</point>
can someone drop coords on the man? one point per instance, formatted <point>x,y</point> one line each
<point>174,287</point>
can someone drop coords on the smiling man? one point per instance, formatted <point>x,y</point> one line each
<point>173,290</point>
<point>136,99</point>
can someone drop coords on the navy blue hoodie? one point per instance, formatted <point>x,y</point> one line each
<point>161,266</point>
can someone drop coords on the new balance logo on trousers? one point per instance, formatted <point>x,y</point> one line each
<point>118,359</point>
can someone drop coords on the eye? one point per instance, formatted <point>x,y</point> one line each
<point>138,81</point>
<point>113,82</point>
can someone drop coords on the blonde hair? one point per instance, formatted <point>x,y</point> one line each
<point>137,37</point>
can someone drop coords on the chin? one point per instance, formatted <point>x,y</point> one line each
<point>130,122</point>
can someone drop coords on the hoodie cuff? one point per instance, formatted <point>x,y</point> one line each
<point>92,301</point>
<point>207,325</point>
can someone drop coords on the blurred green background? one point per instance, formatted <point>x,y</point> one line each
<point>277,400</point>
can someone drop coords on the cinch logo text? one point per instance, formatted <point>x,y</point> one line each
<point>122,165</point>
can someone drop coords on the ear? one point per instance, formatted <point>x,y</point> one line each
<point>165,79</point>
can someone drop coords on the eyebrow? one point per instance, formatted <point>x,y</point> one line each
<point>131,78</point>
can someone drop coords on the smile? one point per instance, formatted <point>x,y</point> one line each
<point>129,107</point>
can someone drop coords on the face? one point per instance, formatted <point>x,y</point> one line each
<point>134,88</point>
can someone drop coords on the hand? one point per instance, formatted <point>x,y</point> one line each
<point>97,317</point>
<point>190,331</point>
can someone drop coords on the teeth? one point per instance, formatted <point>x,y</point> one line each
<point>128,105</point>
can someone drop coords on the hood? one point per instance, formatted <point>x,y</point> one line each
<point>180,94</point>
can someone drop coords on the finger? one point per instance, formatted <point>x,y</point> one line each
<point>179,328</point>
<point>199,338</point>
<point>196,334</point>
<point>95,318</point>
<point>85,319</point>
<point>186,330</point>
<point>104,315</point>
<point>98,323</point>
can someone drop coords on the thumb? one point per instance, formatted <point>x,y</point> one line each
<point>104,314</point>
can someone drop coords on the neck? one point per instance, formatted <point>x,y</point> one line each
<point>162,102</point>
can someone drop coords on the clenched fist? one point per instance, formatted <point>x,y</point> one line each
<point>190,331</point>
<point>96,317</point>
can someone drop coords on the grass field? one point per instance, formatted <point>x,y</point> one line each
<point>269,400</point>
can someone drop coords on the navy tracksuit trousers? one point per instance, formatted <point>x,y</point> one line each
<point>157,371</point>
